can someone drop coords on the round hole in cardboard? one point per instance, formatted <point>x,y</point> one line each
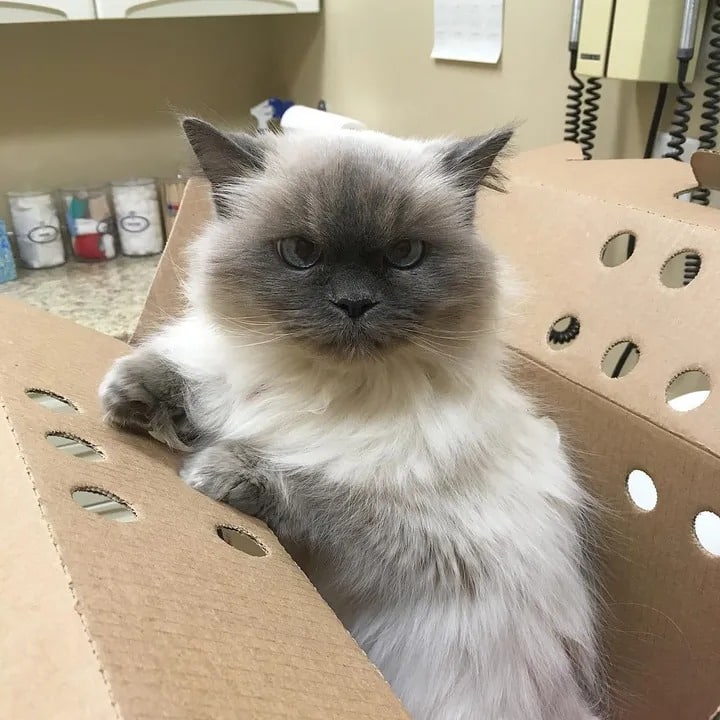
<point>620,359</point>
<point>642,490</point>
<point>50,400</point>
<point>563,331</point>
<point>104,504</point>
<point>688,390</point>
<point>618,249</point>
<point>707,531</point>
<point>680,269</point>
<point>241,540</point>
<point>75,446</point>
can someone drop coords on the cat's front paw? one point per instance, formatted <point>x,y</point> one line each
<point>230,472</point>
<point>143,393</point>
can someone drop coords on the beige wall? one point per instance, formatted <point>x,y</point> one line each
<point>371,59</point>
<point>91,101</point>
<point>86,102</point>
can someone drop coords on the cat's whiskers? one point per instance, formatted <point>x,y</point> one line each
<point>436,351</point>
<point>241,346</point>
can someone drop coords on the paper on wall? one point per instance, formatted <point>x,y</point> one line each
<point>468,30</point>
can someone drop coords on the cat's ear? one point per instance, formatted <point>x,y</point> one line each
<point>472,162</point>
<point>223,157</point>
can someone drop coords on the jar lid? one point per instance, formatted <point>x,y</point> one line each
<point>133,182</point>
<point>28,193</point>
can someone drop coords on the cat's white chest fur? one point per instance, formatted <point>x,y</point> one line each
<point>339,376</point>
<point>436,521</point>
<point>337,423</point>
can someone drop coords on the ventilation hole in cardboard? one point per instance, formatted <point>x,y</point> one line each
<point>104,504</point>
<point>681,269</point>
<point>642,490</point>
<point>618,249</point>
<point>241,540</point>
<point>50,400</point>
<point>620,359</point>
<point>687,391</point>
<point>707,531</point>
<point>75,446</point>
<point>563,331</point>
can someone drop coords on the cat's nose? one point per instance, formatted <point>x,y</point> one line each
<point>355,309</point>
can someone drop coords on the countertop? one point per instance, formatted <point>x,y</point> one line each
<point>106,296</point>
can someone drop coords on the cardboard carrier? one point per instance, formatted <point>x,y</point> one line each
<point>194,612</point>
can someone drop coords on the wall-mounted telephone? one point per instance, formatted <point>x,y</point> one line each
<point>637,39</point>
<point>642,41</point>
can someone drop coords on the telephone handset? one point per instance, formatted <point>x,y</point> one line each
<point>641,41</point>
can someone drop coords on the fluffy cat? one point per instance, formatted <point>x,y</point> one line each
<point>337,375</point>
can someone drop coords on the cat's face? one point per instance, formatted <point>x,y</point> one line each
<point>349,244</point>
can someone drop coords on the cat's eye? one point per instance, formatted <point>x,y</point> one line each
<point>297,252</point>
<point>405,254</point>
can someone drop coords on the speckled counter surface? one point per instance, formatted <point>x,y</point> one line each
<point>105,296</point>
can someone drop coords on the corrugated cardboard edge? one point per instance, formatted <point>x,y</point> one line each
<point>537,362</point>
<point>706,167</point>
<point>31,618</point>
<point>159,626</point>
<point>561,167</point>
<point>166,298</point>
<point>589,183</point>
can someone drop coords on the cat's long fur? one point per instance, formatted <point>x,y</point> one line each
<point>413,481</point>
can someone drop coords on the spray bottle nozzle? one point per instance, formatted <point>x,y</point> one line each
<point>271,109</point>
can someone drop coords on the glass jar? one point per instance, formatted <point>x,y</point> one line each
<point>37,229</point>
<point>90,223</point>
<point>139,223</point>
<point>172,192</point>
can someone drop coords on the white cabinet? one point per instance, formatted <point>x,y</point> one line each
<point>21,11</point>
<point>18,11</point>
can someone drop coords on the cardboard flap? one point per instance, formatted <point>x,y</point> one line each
<point>706,167</point>
<point>553,233</point>
<point>651,185</point>
<point>661,627</point>
<point>165,298</point>
<point>174,622</point>
<point>552,156</point>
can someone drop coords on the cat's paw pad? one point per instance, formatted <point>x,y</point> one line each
<point>135,396</point>
<point>222,475</point>
<point>125,400</point>
<point>202,473</point>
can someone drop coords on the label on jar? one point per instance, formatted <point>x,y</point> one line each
<point>43,234</point>
<point>134,223</point>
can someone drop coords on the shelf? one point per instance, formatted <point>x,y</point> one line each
<point>20,11</point>
<point>201,8</point>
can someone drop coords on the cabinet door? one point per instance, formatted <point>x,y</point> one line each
<point>19,11</point>
<point>201,8</point>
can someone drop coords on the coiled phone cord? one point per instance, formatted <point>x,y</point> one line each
<point>590,116</point>
<point>711,106</point>
<point>573,107</point>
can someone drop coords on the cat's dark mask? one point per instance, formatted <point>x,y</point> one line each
<point>350,244</point>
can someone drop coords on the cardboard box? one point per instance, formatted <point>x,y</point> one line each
<point>159,618</point>
<point>156,618</point>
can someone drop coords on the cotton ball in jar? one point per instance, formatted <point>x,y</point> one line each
<point>139,222</point>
